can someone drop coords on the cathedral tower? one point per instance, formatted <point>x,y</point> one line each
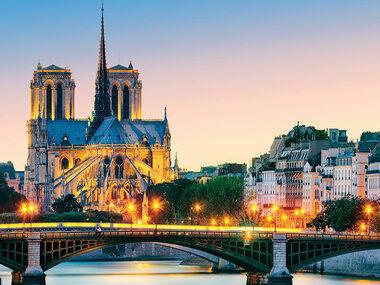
<point>52,93</point>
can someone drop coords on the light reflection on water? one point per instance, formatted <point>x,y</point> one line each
<point>160,273</point>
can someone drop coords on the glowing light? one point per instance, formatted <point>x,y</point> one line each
<point>226,221</point>
<point>253,208</point>
<point>297,213</point>
<point>302,211</point>
<point>369,210</point>
<point>269,218</point>
<point>197,207</point>
<point>248,235</point>
<point>275,207</point>
<point>131,207</point>
<point>112,205</point>
<point>284,217</point>
<point>363,227</point>
<point>213,222</point>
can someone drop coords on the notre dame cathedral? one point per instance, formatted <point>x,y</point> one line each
<point>104,160</point>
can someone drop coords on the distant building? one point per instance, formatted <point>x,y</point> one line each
<point>307,167</point>
<point>15,179</point>
<point>232,169</point>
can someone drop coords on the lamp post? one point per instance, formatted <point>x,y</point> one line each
<point>31,209</point>
<point>111,206</point>
<point>24,209</point>
<point>275,208</point>
<point>226,221</point>
<point>197,209</point>
<point>253,217</point>
<point>131,208</point>
<point>368,220</point>
<point>156,207</point>
<point>284,220</point>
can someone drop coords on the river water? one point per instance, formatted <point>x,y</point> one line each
<point>162,273</point>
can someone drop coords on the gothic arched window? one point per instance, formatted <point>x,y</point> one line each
<point>114,99</point>
<point>114,193</point>
<point>65,163</point>
<point>119,168</point>
<point>48,101</point>
<point>77,161</point>
<point>126,102</point>
<point>106,165</point>
<point>59,101</point>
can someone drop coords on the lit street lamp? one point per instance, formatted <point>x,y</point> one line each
<point>253,217</point>
<point>131,209</point>
<point>197,209</point>
<point>275,208</point>
<point>369,216</point>
<point>156,207</point>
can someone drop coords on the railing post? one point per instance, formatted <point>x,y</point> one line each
<point>280,273</point>
<point>34,274</point>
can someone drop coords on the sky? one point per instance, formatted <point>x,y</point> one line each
<point>232,74</point>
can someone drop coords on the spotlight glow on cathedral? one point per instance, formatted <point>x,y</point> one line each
<point>105,159</point>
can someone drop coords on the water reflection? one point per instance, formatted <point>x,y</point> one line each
<point>160,273</point>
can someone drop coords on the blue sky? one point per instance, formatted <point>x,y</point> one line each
<point>233,74</point>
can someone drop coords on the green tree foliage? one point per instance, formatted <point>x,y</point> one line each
<point>10,200</point>
<point>344,214</point>
<point>66,204</point>
<point>218,197</point>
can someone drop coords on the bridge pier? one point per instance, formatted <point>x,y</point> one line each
<point>279,274</point>
<point>34,274</point>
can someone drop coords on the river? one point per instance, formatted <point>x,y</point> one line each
<point>162,273</point>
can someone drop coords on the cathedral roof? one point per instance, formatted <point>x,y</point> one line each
<point>121,67</point>
<point>53,67</point>
<point>73,130</point>
<point>129,132</point>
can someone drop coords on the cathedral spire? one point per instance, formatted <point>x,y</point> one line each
<point>102,98</point>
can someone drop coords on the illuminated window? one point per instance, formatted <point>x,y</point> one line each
<point>48,102</point>
<point>126,102</point>
<point>114,99</point>
<point>65,163</point>
<point>59,101</point>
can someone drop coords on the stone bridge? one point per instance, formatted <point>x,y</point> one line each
<point>29,255</point>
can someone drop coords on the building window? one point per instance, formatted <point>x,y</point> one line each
<point>59,101</point>
<point>48,102</point>
<point>64,164</point>
<point>126,102</point>
<point>119,168</point>
<point>106,165</point>
<point>77,161</point>
<point>114,99</point>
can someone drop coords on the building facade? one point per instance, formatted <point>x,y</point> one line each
<point>104,160</point>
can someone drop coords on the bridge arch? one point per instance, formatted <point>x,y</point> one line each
<point>58,250</point>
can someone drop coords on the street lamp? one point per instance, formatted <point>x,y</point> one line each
<point>197,209</point>
<point>226,221</point>
<point>156,207</point>
<point>131,208</point>
<point>31,209</point>
<point>253,217</point>
<point>284,219</point>
<point>369,215</point>
<point>213,222</point>
<point>111,206</point>
<point>24,209</point>
<point>275,208</point>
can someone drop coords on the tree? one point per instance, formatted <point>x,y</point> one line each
<point>10,200</point>
<point>66,204</point>
<point>341,214</point>
<point>218,197</point>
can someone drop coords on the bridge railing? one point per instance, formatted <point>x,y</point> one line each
<point>14,236</point>
<point>333,237</point>
<point>152,233</point>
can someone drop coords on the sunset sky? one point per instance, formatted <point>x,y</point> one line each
<point>233,74</point>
